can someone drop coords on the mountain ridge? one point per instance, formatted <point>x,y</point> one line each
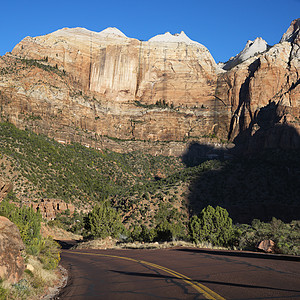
<point>119,92</point>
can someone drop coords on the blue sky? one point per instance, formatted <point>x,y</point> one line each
<point>222,26</point>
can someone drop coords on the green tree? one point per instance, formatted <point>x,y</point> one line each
<point>168,224</point>
<point>104,221</point>
<point>213,225</point>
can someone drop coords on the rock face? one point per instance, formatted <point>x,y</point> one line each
<point>5,188</point>
<point>11,261</point>
<point>252,48</point>
<point>99,88</point>
<point>49,208</point>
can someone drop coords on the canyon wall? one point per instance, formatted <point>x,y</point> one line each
<point>106,90</point>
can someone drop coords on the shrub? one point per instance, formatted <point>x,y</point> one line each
<point>104,221</point>
<point>3,292</point>
<point>285,236</point>
<point>49,253</point>
<point>167,224</point>
<point>29,224</point>
<point>213,226</point>
<point>27,220</point>
<point>142,233</point>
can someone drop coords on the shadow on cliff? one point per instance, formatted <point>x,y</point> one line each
<point>261,180</point>
<point>198,153</point>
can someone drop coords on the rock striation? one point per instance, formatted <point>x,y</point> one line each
<point>104,89</point>
<point>11,246</point>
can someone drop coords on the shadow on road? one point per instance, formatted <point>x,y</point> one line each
<point>66,244</point>
<point>241,254</point>
<point>139,274</point>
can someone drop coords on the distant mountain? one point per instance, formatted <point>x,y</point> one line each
<point>108,91</point>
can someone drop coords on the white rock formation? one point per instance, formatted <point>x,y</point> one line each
<point>112,31</point>
<point>173,38</point>
<point>251,49</point>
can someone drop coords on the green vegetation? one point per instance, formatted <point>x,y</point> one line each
<point>74,172</point>
<point>212,226</point>
<point>156,197</point>
<point>167,226</point>
<point>158,104</point>
<point>104,221</point>
<point>29,224</point>
<point>43,253</point>
<point>42,64</point>
<point>285,235</point>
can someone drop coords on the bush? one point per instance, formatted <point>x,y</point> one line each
<point>29,224</point>
<point>27,220</point>
<point>49,253</point>
<point>285,236</point>
<point>168,225</point>
<point>142,233</point>
<point>3,292</point>
<point>104,221</point>
<point>213,226</point>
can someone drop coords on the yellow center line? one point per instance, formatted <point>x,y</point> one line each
<point>202,289</point>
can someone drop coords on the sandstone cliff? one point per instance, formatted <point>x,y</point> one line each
<point>11,260</point>
<point>104,88</point>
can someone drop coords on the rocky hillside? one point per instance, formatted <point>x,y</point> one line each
<point>106,90</point>
<point>62,180</point>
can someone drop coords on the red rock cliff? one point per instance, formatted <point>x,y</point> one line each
<point>79,85</point>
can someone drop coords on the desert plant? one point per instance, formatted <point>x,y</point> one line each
<point>104,221</point>
<point>212,225</point>
<point>29,223</point>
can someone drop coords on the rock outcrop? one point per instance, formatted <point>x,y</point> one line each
<point>11,260</point>
<point>5,188</point>
<point>49,208</point>
<point>99,88</point>
<point>252,48</point>
<point>267,246</point>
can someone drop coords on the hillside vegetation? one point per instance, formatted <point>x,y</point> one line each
<point>73,172</point>
<point>155,196</point>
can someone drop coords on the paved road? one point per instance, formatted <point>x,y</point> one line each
<point>179,273</point>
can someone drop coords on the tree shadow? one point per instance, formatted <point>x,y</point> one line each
<point>261,181</point>
<point>230,253</point>
<point>198,153</point>
<point>152,275</point>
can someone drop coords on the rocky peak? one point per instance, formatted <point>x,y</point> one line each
<point>83,33</point>
<point>173,38</point>
<point>292,32</point>
<point>112,87</point>
<point>251,49</point>
<point>112,31</point>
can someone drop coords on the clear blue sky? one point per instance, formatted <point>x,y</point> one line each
<point>222,26</point>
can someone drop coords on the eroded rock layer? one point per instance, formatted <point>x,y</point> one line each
<point>106,90</point>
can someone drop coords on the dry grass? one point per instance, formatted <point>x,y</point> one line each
<point>36,283</point>
<point>58,233</point>
<point>109,243</point>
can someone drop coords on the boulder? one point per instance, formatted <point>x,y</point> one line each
<point>11,246</point>
<point>267,246</point>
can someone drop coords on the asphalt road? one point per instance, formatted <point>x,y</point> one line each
<point>178,273</point>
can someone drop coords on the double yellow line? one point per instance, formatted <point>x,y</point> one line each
<point>202,289</point>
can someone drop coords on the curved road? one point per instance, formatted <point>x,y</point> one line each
<point>179,273</point>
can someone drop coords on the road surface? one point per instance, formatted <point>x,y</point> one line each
<point>178,273</point>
